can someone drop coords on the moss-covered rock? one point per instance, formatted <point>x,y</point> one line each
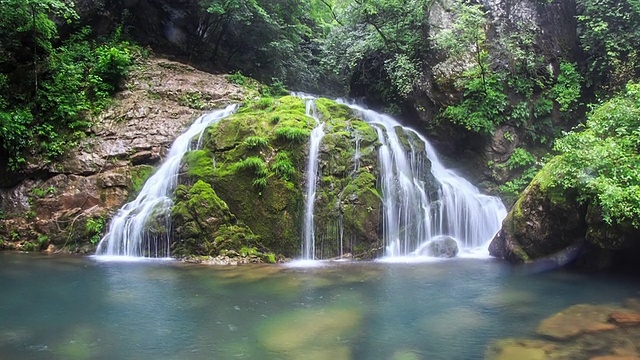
<point>542,222</point>
<point>203,224</point>
<point>547,219</point>
<point>256,162</point>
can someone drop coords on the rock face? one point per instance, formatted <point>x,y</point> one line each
<point>68,203</point>
<point>546,220</point>
<point>255,162</point>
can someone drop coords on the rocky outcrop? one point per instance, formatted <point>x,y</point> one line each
<point>67,204</point>
<point>550,25</point>
<point>255,163</point>
<point>546,220</point>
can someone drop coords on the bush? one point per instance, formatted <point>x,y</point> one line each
<point>601,162</point>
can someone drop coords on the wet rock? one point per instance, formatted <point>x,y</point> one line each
<point>145,157</point>
<point>442,246</point>
<point>625,318</point>
<point>577,320</point>
<point>542,222</point>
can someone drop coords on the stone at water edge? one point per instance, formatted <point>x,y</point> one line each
<point>441,246</point>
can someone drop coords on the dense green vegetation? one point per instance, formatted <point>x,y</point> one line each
<point>49,89</point>
<point>476,72</point>
<point>600,160</point>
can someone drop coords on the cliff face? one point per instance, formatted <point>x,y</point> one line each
<point>543,32</point>
<point>66,205</point>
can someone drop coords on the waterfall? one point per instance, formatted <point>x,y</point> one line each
<point>129,231</point>
<point>308,236</point>
<point>413,211</point>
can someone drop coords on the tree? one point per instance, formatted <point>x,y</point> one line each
<point>380,45</point>
<point>609,31</point>
<point>28,24</point>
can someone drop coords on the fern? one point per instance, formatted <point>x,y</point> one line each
<point>292,134</point>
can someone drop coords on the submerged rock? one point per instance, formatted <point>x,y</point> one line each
<point>577,320</point>
<point>578,332</point>
<point>521,349</point>
<point>311,334</point>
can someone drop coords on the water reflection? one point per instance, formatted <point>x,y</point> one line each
<point>78,308</point>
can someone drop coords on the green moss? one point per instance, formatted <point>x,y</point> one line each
<point>139,176</point>
<point>283,167</point>
<point>204,225</point>
<point>331,109</point>
<point>265,148</point>
<point>199,163</point>
<point>292,134</point>
<point>256,142</point>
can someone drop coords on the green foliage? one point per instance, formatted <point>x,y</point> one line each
<point>238,79</point>
<point>29,247</point>
<point>379,44</point>
<point>511,189</point>
<point>567,89</point>
<point>252,163</point>
<point>71,82</point>
<point>94,228</point>
<point>292,134</point>
<point>609,32</point>
<point>248,251</point>
<point>43,239</point>
<point>259,168</point>
<point>266,39</point>
<point>601,162</point>
<point>484,104</point>
<point>283,167</point>
<point>260,183</point>
<point>276,89</point>
<point>263,103</point>
<point>256,142</point>
<point>520,158</point>
<point>192,100</point>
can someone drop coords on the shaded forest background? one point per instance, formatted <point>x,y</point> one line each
<point>475,78</point>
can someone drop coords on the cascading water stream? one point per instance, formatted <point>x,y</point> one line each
<point>414,213</point>
<point>129,233</point>
<point>308,241</point>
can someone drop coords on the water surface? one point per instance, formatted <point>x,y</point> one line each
<point>54,307</point>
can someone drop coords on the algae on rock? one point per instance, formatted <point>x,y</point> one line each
<point>255,160</point>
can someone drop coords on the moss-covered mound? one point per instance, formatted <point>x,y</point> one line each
<point>246,186</point>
